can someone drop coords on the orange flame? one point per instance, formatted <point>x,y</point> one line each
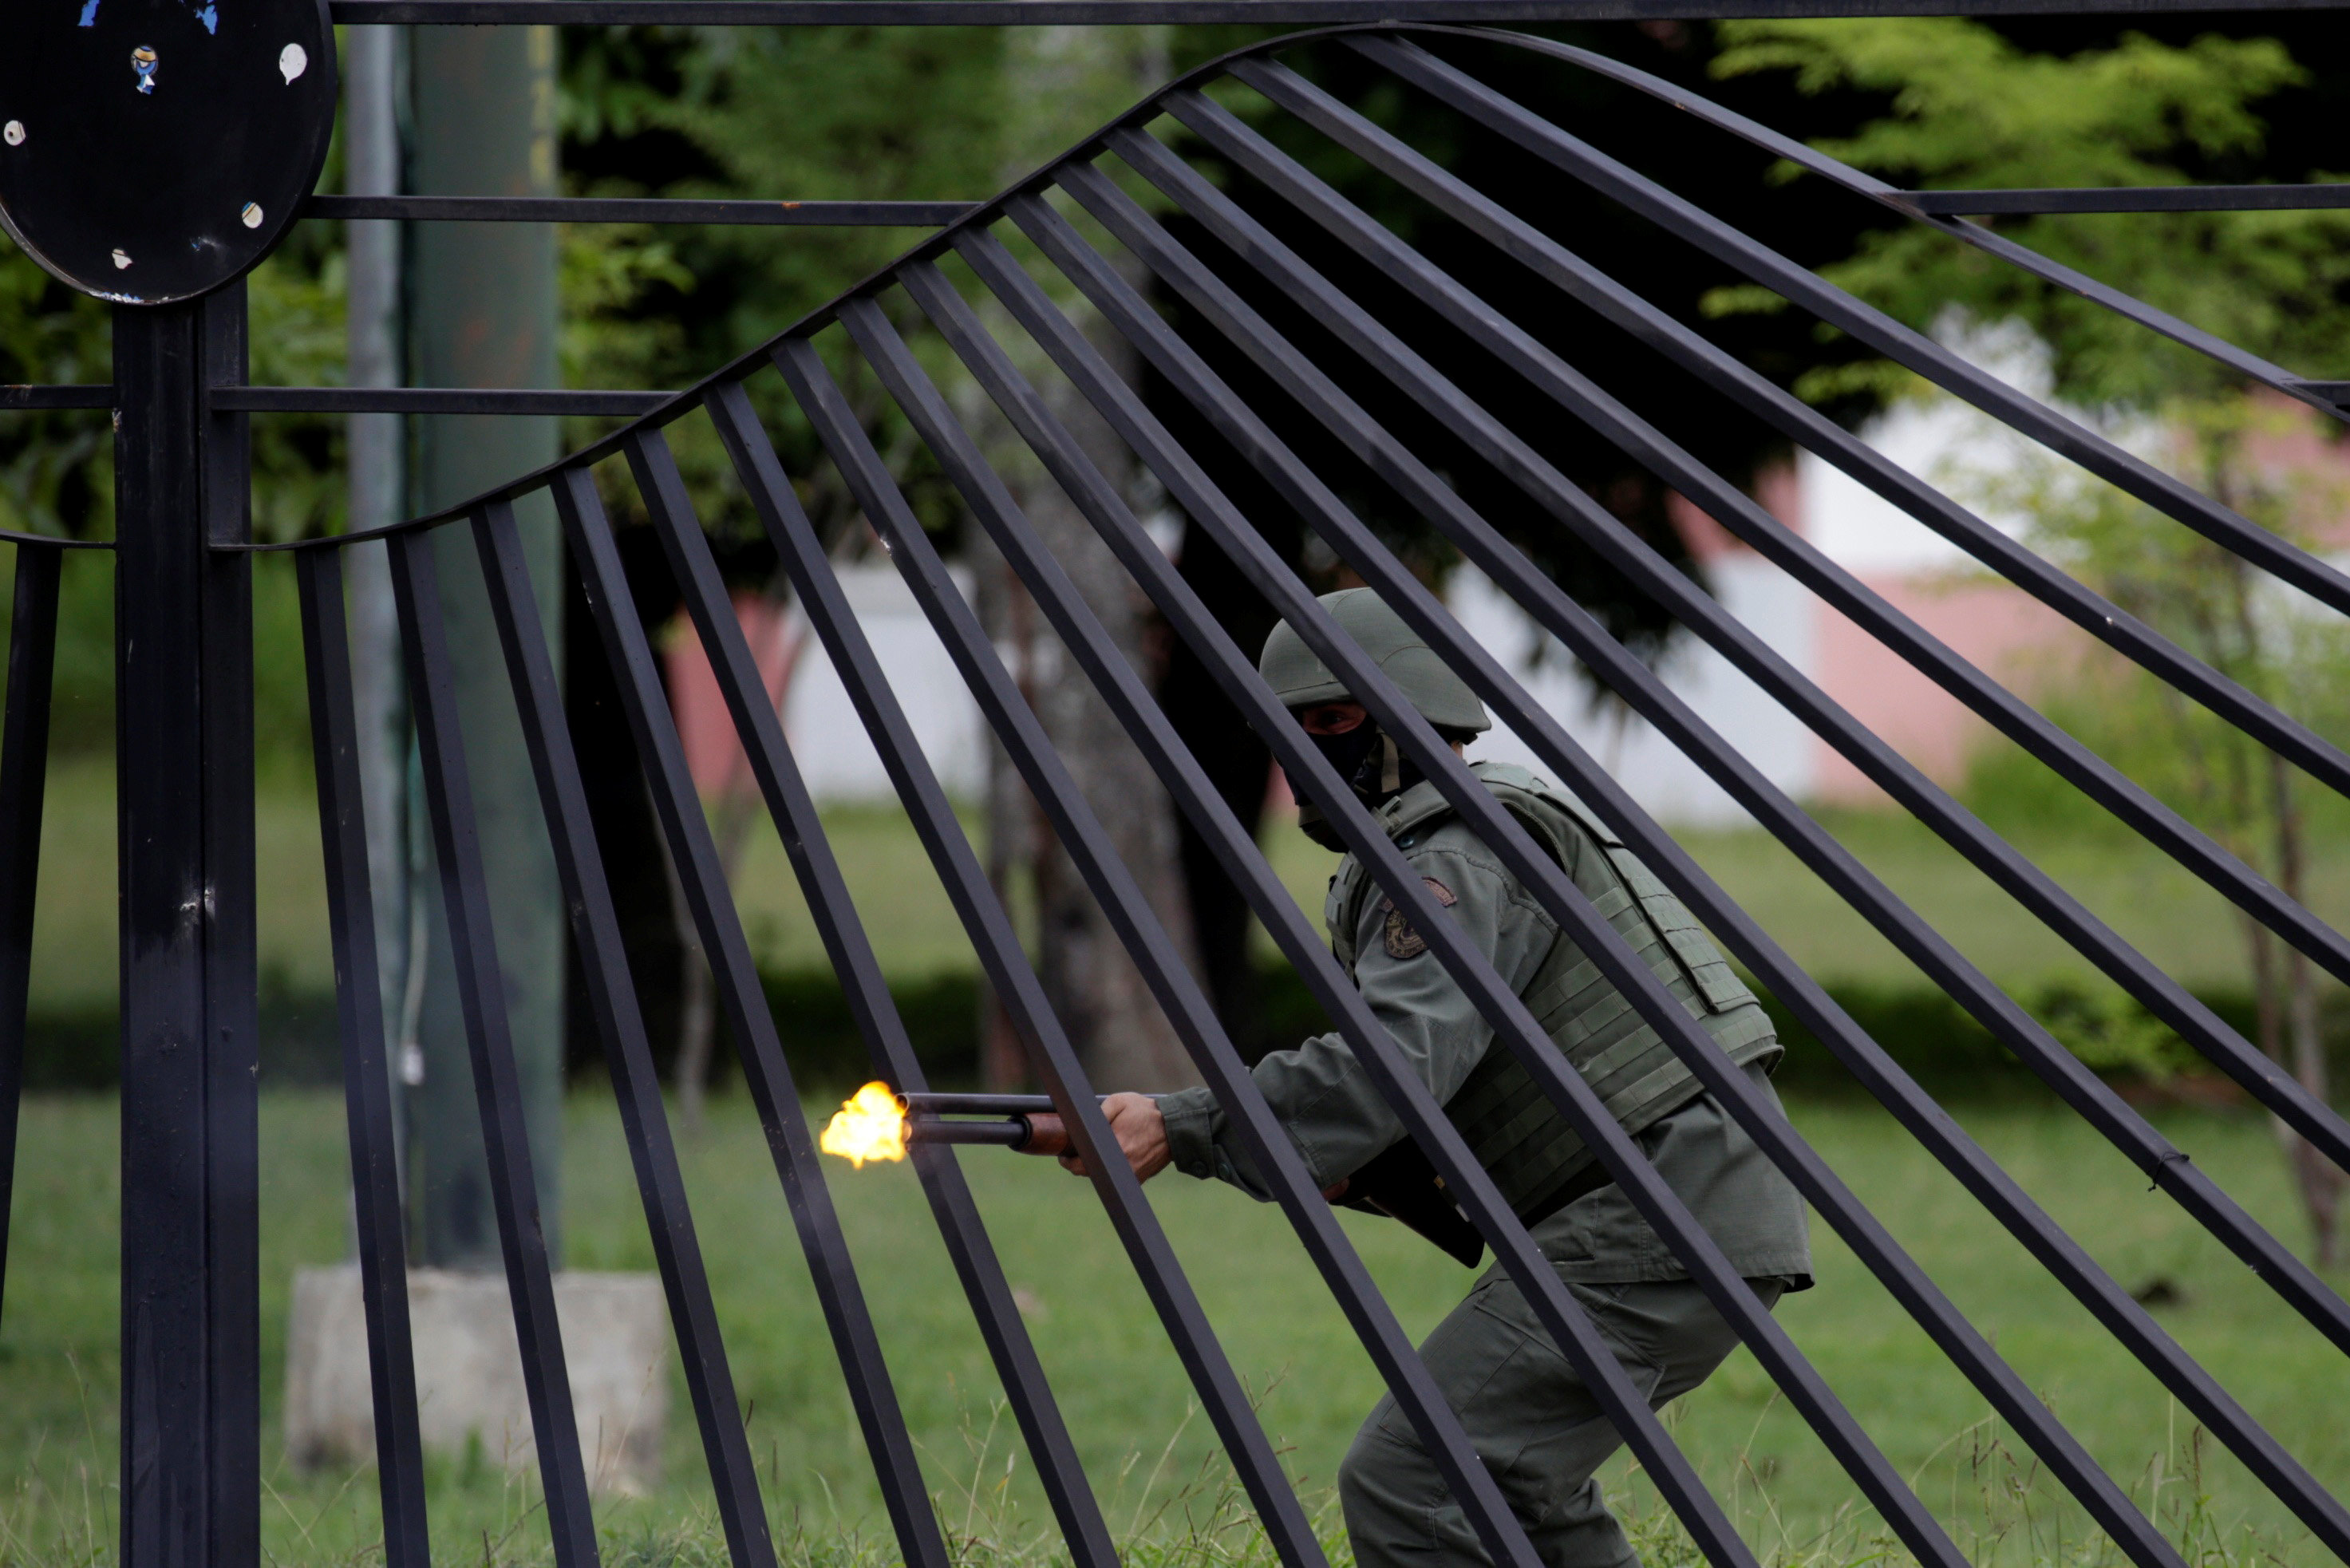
<point>869,1125</point>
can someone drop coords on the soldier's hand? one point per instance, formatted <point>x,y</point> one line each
<point>1142,1134</point>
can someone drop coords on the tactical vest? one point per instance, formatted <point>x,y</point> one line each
<point>1531,1151</point>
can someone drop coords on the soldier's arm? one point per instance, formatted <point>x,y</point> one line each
<point>1332,1109</point>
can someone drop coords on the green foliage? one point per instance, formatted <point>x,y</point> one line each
<point>793,114</point>
<point>2276,645</point>
<point>55,473</point>
<point>1970,109</point>
<point>56,469</point>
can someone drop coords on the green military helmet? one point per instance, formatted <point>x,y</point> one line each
<point>1300,680</point>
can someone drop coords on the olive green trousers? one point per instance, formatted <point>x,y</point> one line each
<point>1531,1419</point>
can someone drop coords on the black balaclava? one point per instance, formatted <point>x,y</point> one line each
<point>1368,759</point>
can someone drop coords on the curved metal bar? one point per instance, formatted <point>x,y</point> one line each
<point>1441,506</point>
<point>689,399</point>
<point>1937,209</point>
<point>2058,1252</point>
<point>702,880</point>
<point>760,730</point>
<point>1516,1027</point>
<point>1724,373</point>
<point>1009,971</point>
<point>1115,889</point>
<point>1513,456</point>
<point>1611,178</point>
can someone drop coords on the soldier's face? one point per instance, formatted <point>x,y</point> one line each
<point>1331,718</point>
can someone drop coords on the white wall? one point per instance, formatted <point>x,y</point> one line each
<point>827,737</point>
<point>1666,783</point>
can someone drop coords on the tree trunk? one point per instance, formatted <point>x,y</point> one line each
<point>1117,1029</point>
<point>1094,987</point>
<point>1013,827</point>
<point>1116,1026</point>
<point>2320,1180</point>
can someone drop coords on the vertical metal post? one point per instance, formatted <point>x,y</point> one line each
<point>489,1035</point>
<point>620,1023</point>
<point>24,768</point>
<point>184,755</point>
<point>337,749</point>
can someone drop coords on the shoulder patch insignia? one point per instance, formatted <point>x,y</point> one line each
<point>1402,941</point>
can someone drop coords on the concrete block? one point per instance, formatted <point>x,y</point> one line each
<point>469,1386</point>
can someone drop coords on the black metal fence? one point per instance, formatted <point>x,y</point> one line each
<point>1014,323</point>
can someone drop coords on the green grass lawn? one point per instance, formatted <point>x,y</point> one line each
<point>2177,921</point>
<point>1143,1443</point>
<point>2158,907</point>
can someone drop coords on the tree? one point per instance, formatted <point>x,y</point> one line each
<point>1969,108</point>
<point>908,114</point>
<point>2278,646</point>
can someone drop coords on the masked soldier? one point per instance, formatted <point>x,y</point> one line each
<point>1537,1429</point>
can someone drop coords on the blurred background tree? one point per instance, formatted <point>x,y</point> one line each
<point>1970,109</point>
<point>952,113</point>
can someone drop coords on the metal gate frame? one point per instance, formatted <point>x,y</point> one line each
<point>191,1372</point>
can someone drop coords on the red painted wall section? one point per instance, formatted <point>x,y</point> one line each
<point>711,751</point>
<point>1993,624</point>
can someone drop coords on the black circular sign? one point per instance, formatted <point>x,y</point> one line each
<point>153,149</point>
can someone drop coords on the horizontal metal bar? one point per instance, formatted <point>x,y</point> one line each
<point>2129,199</point>
<point>635,210</point>
<point>2334,392</point>
<point>17,396</point>
<point>429,401</point>
<point>1139,13</point>
<point>43,542</point>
